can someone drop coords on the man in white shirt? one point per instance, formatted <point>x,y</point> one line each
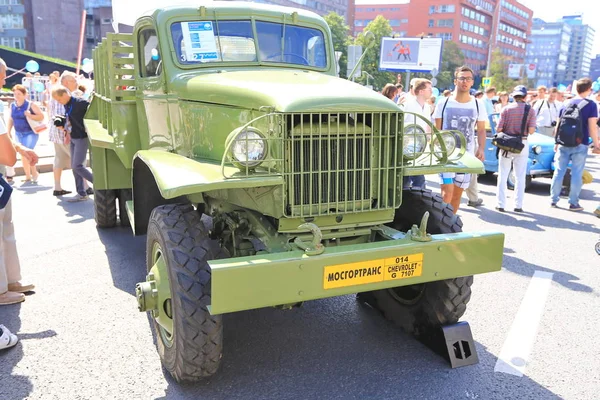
<point>406,96</point>
<point>461,111</point>
<point>547,111</point>
<point>418,105</point>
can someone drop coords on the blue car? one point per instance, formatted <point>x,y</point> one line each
<point>541,156</point>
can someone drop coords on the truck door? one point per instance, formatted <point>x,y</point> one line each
<point>153,110</point>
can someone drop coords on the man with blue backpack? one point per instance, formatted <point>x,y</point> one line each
<point>576,125</point>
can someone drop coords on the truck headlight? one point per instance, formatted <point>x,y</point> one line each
<point>414,142</point>
<point>537,149</point>
<point>449,142</point>
<point>249,148</point>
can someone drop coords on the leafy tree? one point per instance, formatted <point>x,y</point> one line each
<point>380,28</point>
<point>452,58</point>
<point>341,40</point>
<point>499,72</point>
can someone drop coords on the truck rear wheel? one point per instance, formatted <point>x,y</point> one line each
<point>177,235</point>
<point>416,308</point>
<point>105,207</point>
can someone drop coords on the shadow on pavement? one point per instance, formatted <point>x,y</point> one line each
<point>308,353</point>
<point>126,255</point>
<point>29,188</point>
<point>12,386</point>
<point>82,209</point>
<point>538,222</point>
<point>518,266</point>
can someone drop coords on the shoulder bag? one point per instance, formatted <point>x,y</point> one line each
<point>36,126</point>
<point>510,143</point>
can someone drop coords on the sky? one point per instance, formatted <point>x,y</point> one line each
<point>550,13</point>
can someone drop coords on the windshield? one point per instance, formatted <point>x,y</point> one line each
<point>200,42</point>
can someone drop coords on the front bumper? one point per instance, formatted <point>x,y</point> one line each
<point>286,278</point>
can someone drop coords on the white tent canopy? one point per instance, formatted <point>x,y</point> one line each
<point>126,12</point>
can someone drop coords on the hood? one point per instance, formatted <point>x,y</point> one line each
<point>285,90</point>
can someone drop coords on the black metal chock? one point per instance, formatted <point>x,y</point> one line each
<point>453,342</point>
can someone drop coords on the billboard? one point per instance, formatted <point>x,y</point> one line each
<point>515,71</point>
<point>410,54</point>
<point>531,70</point>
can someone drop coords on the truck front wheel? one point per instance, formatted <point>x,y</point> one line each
<point>178,247</point>
<point>105,208</point>
<point>416,308</point>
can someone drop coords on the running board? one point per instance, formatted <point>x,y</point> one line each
<point>130,214</point>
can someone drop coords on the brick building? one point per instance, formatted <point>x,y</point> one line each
<point>475,25</point>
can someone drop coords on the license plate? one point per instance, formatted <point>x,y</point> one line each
<point>372,271</point>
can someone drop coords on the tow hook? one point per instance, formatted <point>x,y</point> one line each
<point>315,247</point>
<point>419,234</point>
<point>147,294</point>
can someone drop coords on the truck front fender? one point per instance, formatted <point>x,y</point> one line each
<point>177,175</point>
<point>161,178</point>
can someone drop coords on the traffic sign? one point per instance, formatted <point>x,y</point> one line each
<point>433,81</point>
<point>487,81</point>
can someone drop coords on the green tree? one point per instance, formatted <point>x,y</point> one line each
<point>380,28</point>
<point>341,40</point>
<point>452,58</point>
<point>499,72</point>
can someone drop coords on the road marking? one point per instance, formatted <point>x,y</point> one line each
<point>518,345</point>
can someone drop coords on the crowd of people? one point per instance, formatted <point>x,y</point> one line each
<point>65,107</point>
<point>521,113</point>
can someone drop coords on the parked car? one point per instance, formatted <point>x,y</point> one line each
<point>541,157</point>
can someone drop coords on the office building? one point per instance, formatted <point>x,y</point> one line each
<point>97,24</point>
<point>12,25</point>
<point>53,27</point>
<point>477,26</point>
<point>580,48</point>
<point>549,51</point>
<point>595,68</point>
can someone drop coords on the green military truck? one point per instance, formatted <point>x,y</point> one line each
<point>262,179</point>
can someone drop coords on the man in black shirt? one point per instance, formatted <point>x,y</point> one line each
<point>75,110</point>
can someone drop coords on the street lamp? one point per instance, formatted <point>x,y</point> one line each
<point>495,23</point>
<point>52,32</point>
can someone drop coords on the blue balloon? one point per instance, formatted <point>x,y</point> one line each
<point>561,87</point>
<point>32,66</point>
<point>436,91</point>
<point>86,61</point>
<point>596,86</point>
<point>39,87</point>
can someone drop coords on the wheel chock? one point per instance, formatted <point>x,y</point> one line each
<point>453,342</point>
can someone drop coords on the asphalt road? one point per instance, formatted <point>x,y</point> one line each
<point>83,338</point>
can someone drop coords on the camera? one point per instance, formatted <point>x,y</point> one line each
<point>553,123</point>
<point>60,121</point>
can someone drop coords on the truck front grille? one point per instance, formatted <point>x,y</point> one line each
<point>331,170</point>
<point>339,163</point>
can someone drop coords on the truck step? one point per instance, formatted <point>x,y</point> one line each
<point>129,207</point>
